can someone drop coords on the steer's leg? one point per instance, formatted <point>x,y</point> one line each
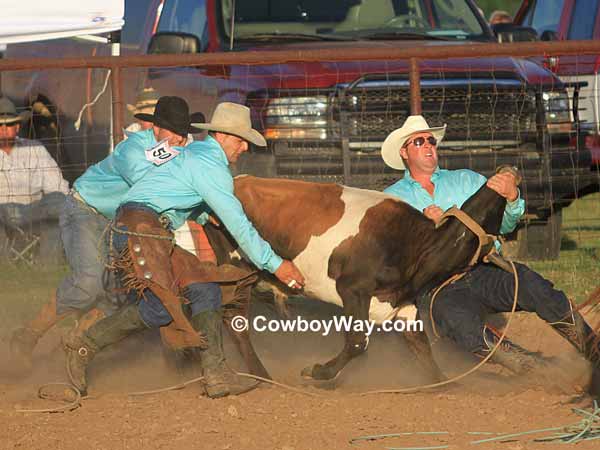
<point>238,304</point>
<point>356,305</point>
<point>420,345</point>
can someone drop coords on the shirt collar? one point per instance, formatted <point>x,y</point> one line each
<point>436,174</point>
<point>215,145</point>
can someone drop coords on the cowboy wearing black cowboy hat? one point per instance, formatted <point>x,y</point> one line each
<point>172,114</point>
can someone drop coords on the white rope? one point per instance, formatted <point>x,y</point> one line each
<point>77,123</point>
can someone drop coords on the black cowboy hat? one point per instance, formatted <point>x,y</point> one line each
<point>173,113</point>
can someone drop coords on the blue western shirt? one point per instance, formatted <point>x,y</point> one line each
<point>104,185</point>
<point>200,176</point>
<point>452,188</point>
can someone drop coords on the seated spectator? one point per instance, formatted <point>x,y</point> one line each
<point>32,189</point>
<point>145,103</point>
<point>500,16</point>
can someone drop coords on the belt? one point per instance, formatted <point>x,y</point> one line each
<point>77,196</point>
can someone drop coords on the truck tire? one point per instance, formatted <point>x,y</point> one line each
<point>538,240</point>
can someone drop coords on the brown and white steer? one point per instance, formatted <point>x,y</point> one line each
<point>354,244</point>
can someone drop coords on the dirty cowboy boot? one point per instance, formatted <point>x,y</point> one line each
<point>509,355</point>
<point>220,380</point>
<point>24,340</point>
<point>580,335</point>
<point>81,350</point>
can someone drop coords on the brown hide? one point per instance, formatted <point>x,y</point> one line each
<point>282,210</point>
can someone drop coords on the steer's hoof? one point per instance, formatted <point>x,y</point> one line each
<point>307,373</point>
<point>317,372</point>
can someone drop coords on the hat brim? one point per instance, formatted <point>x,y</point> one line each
<point>390,149</point>
<point>250,135</point>
<point>164,124</point>
<point>8,120</point>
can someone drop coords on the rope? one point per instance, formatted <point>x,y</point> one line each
<point>450,280</point>
<point>241,374</point>
<point>68,407</point>
<point>114,229</point>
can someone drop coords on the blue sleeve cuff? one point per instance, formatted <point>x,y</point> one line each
<point>273,263</point>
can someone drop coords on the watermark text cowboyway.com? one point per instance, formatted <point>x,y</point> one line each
<point>324,326</point>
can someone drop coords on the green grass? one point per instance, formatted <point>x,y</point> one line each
<point>577,271</point>
<point>23,290</point>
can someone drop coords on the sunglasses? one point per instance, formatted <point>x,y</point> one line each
<point>420,141</point>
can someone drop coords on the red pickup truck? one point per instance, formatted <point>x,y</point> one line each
<point>326,121</point>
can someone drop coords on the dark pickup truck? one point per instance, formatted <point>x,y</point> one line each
<point>325,121</point>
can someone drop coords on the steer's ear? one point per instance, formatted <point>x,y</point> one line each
<point>511,169</point>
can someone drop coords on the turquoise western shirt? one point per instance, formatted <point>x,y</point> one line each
<point>104,185</point>
<point>200,176</point>
<point>452,187</point>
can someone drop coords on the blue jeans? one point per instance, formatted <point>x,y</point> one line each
<point>459,309</point>
<point>201,296</point>
<point>88,285</point>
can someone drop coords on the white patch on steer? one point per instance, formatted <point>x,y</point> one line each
<point>313,261</point>
<point>379,312</point>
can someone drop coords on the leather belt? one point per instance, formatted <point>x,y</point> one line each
<point>77,196</point>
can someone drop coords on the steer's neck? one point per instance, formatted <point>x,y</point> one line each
<point>453,245</point>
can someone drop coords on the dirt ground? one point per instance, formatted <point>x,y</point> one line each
<point>489,401</point>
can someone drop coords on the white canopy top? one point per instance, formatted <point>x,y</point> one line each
<point>35,20</point>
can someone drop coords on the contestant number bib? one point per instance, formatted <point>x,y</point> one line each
<point>161,153</point>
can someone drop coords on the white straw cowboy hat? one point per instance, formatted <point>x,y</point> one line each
<point>390,150</point>
<point>233,118</point>
<point>145,102</point>
<point>9,114</point>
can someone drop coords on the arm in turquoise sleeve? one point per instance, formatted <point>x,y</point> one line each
<point>512,214</point>
<point>129,159</point>
<point>217,191</point>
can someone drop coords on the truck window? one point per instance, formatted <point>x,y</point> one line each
<point>544,15</point>
<point>583,19</point>
<point>452,18</point>
<point>185,16</point>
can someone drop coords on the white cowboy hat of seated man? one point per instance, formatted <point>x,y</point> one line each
<point>390,150</point>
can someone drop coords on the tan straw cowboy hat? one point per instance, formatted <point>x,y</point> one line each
<point>390,150</point>
<point>145,101</point>
<point>9,114</point>
<point>233,118</point>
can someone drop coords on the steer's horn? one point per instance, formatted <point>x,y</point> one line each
<point>499,261</point>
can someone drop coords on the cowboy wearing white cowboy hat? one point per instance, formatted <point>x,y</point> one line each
<point>459,307</point>
<point>198,177</point>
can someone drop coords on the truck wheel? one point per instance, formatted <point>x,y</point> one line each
<point>537,240</point>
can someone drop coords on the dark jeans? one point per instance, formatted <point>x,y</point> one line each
<point>460,308</point>
<point>201,296</point>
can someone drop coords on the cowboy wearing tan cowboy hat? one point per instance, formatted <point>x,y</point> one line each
<point>197,178</point>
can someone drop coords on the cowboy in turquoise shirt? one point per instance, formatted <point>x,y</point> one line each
<point>201,176</point>
<point>104,185</point>
<point>459,308</point>
<point>196,177</point>
<point>452,188</point>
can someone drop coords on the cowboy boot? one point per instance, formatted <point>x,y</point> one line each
<point>24,339</point>
<point>219,379</point>
<point>82,349</point>
<point>580,335</point>
<point>508,354</point>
